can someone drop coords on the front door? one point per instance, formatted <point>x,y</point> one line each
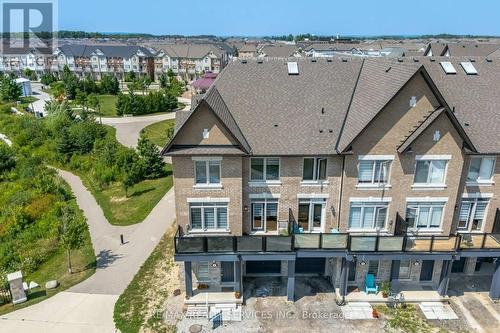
<point>311,214</point>
<point>227,271</point>
<point>427,269</point>
<point>352,271</point>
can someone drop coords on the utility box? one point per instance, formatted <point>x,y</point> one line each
<point>16,287</point>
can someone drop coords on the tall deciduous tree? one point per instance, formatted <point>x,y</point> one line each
<point>10,91</point>
<point>71,232</point>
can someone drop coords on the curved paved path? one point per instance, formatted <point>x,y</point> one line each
<point>129,128</point>
<point>88,306</point>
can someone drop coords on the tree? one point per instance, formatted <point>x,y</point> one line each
<point>164,79</point>
<point>57,90</point>
<point>10,91</point>
<point>71,232</point>
<point>130,77</point>
<point>150,154</point>
<point>81,99</point>
<point>110,85</point>
<point>88,85</point>
<point>93,102</point>
<point>133,175</point>
<point>7,158</point>
<point>47,79</point>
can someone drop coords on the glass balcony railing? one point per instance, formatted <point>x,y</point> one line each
<point>335,242</point>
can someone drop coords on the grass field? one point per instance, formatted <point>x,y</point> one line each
<point>158,133</point>
<point>55,268</point>
<point>107,105</point>
<point>120,209</point>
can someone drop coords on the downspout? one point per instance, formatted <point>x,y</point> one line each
<point>341,188</point>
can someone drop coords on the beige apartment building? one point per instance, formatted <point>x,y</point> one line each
<point>341,168</point>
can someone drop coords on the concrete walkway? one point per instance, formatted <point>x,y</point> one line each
<point>129,128</point>
<point>88,306</point>
<point>43,97</point>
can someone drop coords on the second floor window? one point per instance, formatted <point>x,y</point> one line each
<point>430,171</point>
<point>368,215</point>
<point>314,169</point>
<point>208,216</point>
<point>373,171</point>
<point>481,169</point>
<point>424,215</point>
<point>264,168</point>
<point>207,172</point>
<point>472,213</point>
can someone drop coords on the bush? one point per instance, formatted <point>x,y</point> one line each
<point>153,102</point>
<point>110,85</point>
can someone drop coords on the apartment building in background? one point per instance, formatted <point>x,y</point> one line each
<point>191,61</point>
<point>340,167</point>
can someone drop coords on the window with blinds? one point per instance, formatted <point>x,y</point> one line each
<point>208,216</point>
<point>373,171</point>
<point>368,215</point>
<point>481,169</point>
<point>424,215</point>
<point>265,215</point>
<point>430,172</point>
<point>472,214</point>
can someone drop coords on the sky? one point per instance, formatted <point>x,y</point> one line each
<point>278,17</point>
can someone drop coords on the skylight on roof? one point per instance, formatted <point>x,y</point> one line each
<point>468,68</point>
<point>293,68</point>
<point>448,67</point>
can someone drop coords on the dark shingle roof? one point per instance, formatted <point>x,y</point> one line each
<point>378,82</point>
<point>119,51</point>
<point>420,129</point>
<point>279,51</point>
<point>470,49</point>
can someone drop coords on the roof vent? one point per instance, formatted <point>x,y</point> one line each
<point>388,69</point>
<point>260,61</point>
<point>328,59</point>
<point>400,59</point>
<point>489,60</point>
<point>432,59</point>
<point>344,59</point>
<point>448,67</point>
<point>322,110</point>
<point>321,131</point>
<point>313,60</point>
<point>472,60</point>
<point>415,60</point>
<point>468,68</point>
<point>243,61</point>
<point>293,68</point>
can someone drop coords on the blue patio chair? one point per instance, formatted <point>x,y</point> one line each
<point>370,285</point>
<point>297,229</point>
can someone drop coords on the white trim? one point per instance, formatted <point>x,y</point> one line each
<point>427,199</point>
<point>477,195</point>
<point>428,186</point>
<point>312,196</point>
<point>264,195</point>
<point>208,231</point>
<point>432,157</point>
<point>373,186</point>
<point>371,199</point>
<point>314,182</point>
<point>206,158</point>
<point>264,170</point>
<point>479,183</point>
<point>208,199</point>
<point>376,157</point>
<point>207,186</point>
<point>264,183</point>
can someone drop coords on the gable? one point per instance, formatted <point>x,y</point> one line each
<point>398,119</point>
<point>203,119</point>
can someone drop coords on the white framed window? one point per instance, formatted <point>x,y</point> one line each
<point>311,216</point>
<point>472,214</point>
<point>424,215</point>
<point>367,215</point>
<point>264,215</point>
<point>373,267</point>
<point>481,169</point>
<point>264,169</point>
<point>430,172</point>
<point>207,172</point>
<point>373,171</point>
<point>202,273</point>
<point>314,169</point>
<point>208,216</point>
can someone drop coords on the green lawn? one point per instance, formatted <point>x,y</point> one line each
<point>135,309</point>
<point>55,268</point>
<point>108,105</point>
<point>120,209</point>
<point>158,133</point>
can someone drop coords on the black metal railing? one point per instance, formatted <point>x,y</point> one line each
<point>335,242</point>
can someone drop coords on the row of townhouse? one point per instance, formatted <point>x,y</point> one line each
<point>191,61</point>
<point>188,61</point>
<point>339,168</point>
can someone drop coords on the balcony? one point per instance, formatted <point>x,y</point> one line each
<point>335,242</point>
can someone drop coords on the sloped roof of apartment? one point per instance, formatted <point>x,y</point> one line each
<point>121,51</point>
<point>190,51</point>
<point>330,102</point>
<point>470,49</point>
<point>335,47</point>
<point>474,98</point>
<point>248,48</point>
<point>289,114</point>
<point>279,51</point>
<point>437,48</point>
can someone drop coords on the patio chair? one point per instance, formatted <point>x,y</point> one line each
<point>370,285</point>
<point>297,229</point>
